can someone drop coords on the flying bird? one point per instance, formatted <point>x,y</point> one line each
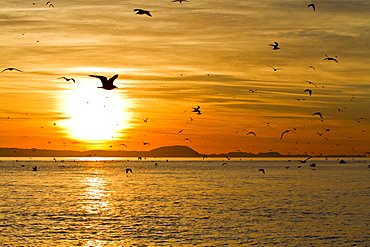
<point>142,12</point>
<point>197,110</point>
<point>331,58</point>
<point>145,120</point>
<point>286,131</point>
<point>309,91</point>
<point>187,139</point>
<point>11,69</point>
<point>275,69</point>
<point>311,67</point>
<point>67,79</point>
<point>128,170</point>
<point>276,46</point>
<point>310,82</point>
<point>317,113</point>
<point>180,1</point>
<point>312,5</point>
<point>107,84</point>
<point>262,170</point>
<point>252,133</point>
<point>304,161</point>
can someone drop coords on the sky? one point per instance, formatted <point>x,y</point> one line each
<point>212,54</point>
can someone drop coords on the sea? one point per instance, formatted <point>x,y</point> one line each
<point>184,201</point>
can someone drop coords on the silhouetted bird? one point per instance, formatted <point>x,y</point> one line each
<point>331,58</point>
<point>145,120</point>
<point>312,5</point>
<point>11,69</point>
<point>313,165</point>
<point>128,170</point>
<point>317,113</point>
<point>142,12</point>
<point>262,170</point>
<point>310,82</point>
<point>197,110</point>
<point>34,168</point>
<point>276,46</point>
<point>187,139</point>
<point>309,91</point>
<point>224,163</point>
<point>180,1</point>
<point>275,69</point>
<point>252,133</point>
<point>311,67</point>
<point>67,79</point>
<point>107,84</point>
<point>304,161</point>
<point>286,131</point>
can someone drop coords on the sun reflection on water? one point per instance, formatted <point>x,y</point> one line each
<point>96,195</point>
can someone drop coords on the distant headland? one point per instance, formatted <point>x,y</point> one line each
<point>167,151</point>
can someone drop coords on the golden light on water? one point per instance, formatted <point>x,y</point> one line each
<point>95,195</point>
<point>95,115</point>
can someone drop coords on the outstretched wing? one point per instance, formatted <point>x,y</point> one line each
<point>103,79</point>
<point>109,83</point>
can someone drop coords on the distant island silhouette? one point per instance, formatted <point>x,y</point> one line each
<point>167,151</point>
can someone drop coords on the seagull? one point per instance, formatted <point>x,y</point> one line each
<point>146,143</point>
<point>312,5</point>
<point>145,120</point>
<point>251,133</point>
<point>310,82</point>
<point>34,168</point>
<point>331,58</point>
<point>11,69</point>
<point>317,113</point>
<point>275,46</point>
<point>128,170</point>
<point>304,161</point>
<point>275,69</point>
<point>142,12</point>
<point>262,170</point>
<point>180,1</point>
<point>286,131</point>
<point>309,91</point>
<point>196,109</point>
<point>187,139</point>
<point>67,79</point>
<point>311,67</point>
<point>107,84</point>
<point>224,164</point>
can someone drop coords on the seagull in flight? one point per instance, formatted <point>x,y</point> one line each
<point>311,67</point>
<point>318,113</point>
<point>312,5</point>
<point>286,131</point>
<point>180,1</point>
<point>252,133</point>
<point>262,170</point>
<point>331,58</point>
<point>187,139</point>
<point>275,69</point>
<point>11,69</point>
<point>275,45</point>
<point>142,12</point>
<point>309,91</point>
<point>128,170</point>
<point>197,110</point>
<point>67,79</point>
<point>107,84</point>
<point>310,82</point>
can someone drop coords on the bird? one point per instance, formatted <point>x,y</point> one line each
<point>317,113</point>
<point>309,91</point>
<point>331,58</point>
<point>11,69</point>
<point>142,12</point>
<point>286,131</point>
<point>313,165</point>
<point>107,84</point>
<point>310,82</point>
<point>197,110</point>
<point>275,69</point>
<point>252,133</point>
<point>187,139</point>
<point>311,67</point>
<point>304,161</point>
<point>128,170</point>
<point>145,120</point>
<point>67,79</point>
<point>146,143</point>
<point>262,170</point>
<point>224,163</point>
<point>276,46</point>
<point>312,5</point>
<point>180,1</point>
<point>34,168</point>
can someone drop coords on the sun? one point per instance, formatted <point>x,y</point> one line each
<point>95,115</point>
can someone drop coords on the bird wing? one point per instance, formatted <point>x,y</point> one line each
<point>148,13</point>
<point>282,134</point>
<point>138,10</point>
<point>103,79</point>
<point>111,80</point>
<point>4,70</point>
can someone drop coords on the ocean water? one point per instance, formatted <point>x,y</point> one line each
<point>184,202</point>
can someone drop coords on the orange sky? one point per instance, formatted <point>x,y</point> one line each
<point>208,53</point>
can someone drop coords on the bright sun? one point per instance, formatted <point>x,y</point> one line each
<point>95,115</point>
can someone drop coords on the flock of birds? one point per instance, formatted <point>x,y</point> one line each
<point>108,83</point>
